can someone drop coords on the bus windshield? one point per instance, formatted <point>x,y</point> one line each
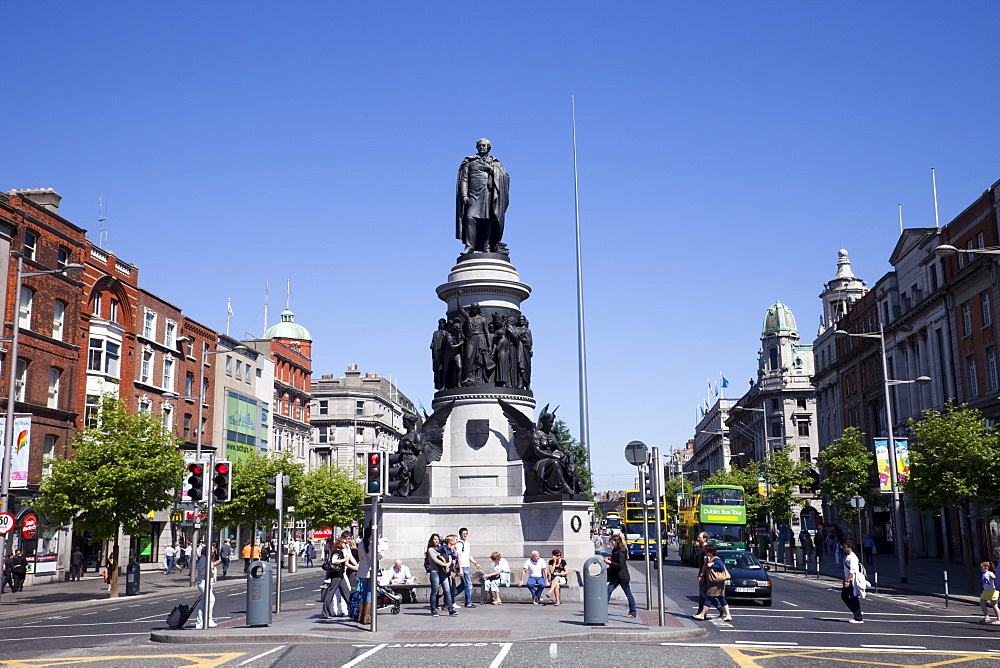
<point>722,497</point>
<point>725,533</point>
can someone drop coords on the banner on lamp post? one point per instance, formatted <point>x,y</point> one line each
<point>20,452</point>
<point>902,453</point>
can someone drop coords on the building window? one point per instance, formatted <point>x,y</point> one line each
<point>97,305</point>
<point>987,311</point>
<point>775,404</point>
<point>772,354</point>
<point>25,307</point>
<point>972,256</point>
<point>966,319</point>
<point>961,260</point>
<point>805,454</point>
<point>149,326</point>
<point>103,357</point>
<point>48,453</point>
<point>145,406</point>
<point>776,430</point>
<point>803,428</point>
<point>167,418</point>
<point>801,403</point>
<point>239,370</point>
<point>229,365</point>
<point>991,369</point>
<point>146,369</point>
<point>322,438</point>
<point>359,435</point>
<point>55,374</point>
<point>20,379</point>
<point>970,365</point>
<point>324,407</point>
<point>980,240</point>
<point>187,426</point>
<point>249,371</point>
<point>170,335</point>
<point>359,408</point>
<point>62,257</point>
<point>90,411</point>
<point>113,310</point>
<point>168,373</point>
<point>30,245</point>
<point>58,319</point>
<point>188,384</point>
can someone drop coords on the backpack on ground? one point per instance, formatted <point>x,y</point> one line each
<point>354,605</point>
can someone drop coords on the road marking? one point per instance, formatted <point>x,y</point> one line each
<point>364,656</point>
<point>293,588</point>
<point>199,660</point>
<point>135,606</point>
<point>894,646</point>
<point>981,653</point>
<point>766,644</point>
<point>239,593</point>
<point>853,633</point>
<point>83,635</point>
<point>790,603</point>
<point>747,657</point>
<point>502,655</point>
<point>260,656</point>
<point>553,651</point>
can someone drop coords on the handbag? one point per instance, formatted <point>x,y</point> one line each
<point>718,577</point>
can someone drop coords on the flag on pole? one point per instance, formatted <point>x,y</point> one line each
<point>229,305</point>
<point>725,383</point>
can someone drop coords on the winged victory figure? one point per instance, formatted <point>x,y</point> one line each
<point>553,467</point>
<point>422,444</point>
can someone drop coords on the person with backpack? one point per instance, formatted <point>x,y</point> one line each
<point>438,564</point>
<point>337,593</point>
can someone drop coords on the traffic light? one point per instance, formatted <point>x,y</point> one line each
<point>395,469</point>
<point>648,495</point>
<point>222,482</point>
<point>375,473</point>
<point>195,481</point>
<point>275,492</point>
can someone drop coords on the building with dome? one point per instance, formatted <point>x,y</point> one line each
<point>779,409</point>
<point>289,346</point>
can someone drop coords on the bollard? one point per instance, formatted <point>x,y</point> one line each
<point>132,579</point>
<point>946,589</point>
<point>291,563</point>
<point>876,582</point>
<point>259,594</point>
<point>595,592</point>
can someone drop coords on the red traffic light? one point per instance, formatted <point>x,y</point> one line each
<point>374,458</point>
<point>222,468</point>
<point>196,469</point>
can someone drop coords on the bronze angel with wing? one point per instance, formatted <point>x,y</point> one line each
<point>554,468</point>
<point>422,444</point>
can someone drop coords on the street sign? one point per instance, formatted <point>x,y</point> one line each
<point>29,526</point>
<point>176,516</point>
<point>6,523</point>
<point>636,453</point>
<point>857,501</point>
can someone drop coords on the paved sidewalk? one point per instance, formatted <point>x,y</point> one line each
<point>493,623</point>
<point>924,575</point>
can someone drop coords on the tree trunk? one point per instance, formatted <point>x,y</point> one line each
<point>113,571</point>
<point>967,556</point>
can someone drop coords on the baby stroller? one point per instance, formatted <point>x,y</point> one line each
<point>387,598</point>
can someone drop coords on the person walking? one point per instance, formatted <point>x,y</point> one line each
<point>337,593</point>
<point>702,540</point>
<point>76,564</point>
<point>988,599</point>
<point>618,575</point>
<point>310,553</point>
<point>557,575</point>
<point>534,571</point>
<point>715,577</point>
<point>188,556</point>
<point>465,558</point>
<point>8,573</point>
<point>246,553</point>
<point>852,591</point>
<point>169,554</point>
<point>225,556</point>
<point>205,571</point>
<point>19,569</point>
<point>438,565</point>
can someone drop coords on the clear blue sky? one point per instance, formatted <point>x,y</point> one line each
<point>726,152</point>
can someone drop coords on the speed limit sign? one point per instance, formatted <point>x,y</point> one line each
<point>6,522</point>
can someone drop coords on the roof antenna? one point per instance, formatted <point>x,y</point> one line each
<point>102,215</point>
<point>267,297</point>
<point>288,293</point>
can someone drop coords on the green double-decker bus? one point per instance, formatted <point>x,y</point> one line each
<point>718,510</point>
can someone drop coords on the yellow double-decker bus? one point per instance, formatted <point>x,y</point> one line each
<point>635,511</point>
<point>718,510</point>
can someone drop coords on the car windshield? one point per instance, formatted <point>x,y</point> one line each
<point>742,560</point>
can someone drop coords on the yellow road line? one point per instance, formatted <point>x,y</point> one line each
<point>748,657</point>
<point>196,660</point>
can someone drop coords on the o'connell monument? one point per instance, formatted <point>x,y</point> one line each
<point>481,459</point>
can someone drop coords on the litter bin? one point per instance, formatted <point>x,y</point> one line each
<point>259,594</point>
<point>595,592</point>
<point>132,579</point>
<point>291,563</point>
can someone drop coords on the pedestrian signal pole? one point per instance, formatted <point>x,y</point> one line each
<point>375,483</point>
<point>276,498</point>
<point>657,479</point>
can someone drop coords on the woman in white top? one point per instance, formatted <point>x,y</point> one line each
<point>850,594</point>
<point>499,577</point>
<point>988,599</point>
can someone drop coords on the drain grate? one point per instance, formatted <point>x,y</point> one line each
<point>462,634</point>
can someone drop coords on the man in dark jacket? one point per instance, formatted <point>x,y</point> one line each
<point>19,568</point>
<point>8,574</point>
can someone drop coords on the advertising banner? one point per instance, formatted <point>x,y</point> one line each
<point>882,462</point>
<point>241,426</point>
<point>21,451</point>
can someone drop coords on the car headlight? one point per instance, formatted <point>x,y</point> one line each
<point>763,583</point>
<point>729,583</point>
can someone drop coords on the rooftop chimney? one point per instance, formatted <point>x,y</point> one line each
<point>47,198</point>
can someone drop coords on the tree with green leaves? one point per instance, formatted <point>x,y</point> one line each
<point>848,469</point>
<point>746,477</point>
<point>954,461</point>
<point>112,476</point>
<point>250,474</point>
<point>329,497</point>
<point>785,476</point>
<point>570,444</point>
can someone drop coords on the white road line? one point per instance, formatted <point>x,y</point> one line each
<point>88,613</point>
<point>132,606</point>
<point>142,619</point>
<point>766,644</point>
<point>363,656</point>
<point>894,646</point>
<point>847,632</point>
<point>83,635</point>
<point>60,626</point>
<point>844,648</point>
<point>260,656</point>
<point>553,651</point>
<point>790,603</point>
<point>239,593</point>
<point>501,656</point>
<point>292,589</point>
<point>885,614</point>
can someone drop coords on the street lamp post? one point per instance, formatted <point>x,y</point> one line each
<point>8,432</point>
<point>897,518</point>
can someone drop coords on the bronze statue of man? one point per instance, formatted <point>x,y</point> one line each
<point>481,200</point>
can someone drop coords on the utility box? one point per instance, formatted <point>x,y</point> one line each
<point>259,594</point>
<point>132,579</point>
<point>595,592</point>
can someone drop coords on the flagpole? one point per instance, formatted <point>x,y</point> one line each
<point>229,313</point>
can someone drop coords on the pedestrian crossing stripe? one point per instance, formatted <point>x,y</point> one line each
<point>196,660</point>
<point>748,657</point>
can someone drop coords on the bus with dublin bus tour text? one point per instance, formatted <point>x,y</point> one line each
<point>718,510</point>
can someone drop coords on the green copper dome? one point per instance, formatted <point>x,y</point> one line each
<point>288,329</point>
<point>779,318</point>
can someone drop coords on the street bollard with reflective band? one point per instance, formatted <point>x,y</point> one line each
<point>595,592</point>
<point>132,579</point>
<point>259,594</point>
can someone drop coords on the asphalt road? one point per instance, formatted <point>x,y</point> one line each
<point>807,626</point>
